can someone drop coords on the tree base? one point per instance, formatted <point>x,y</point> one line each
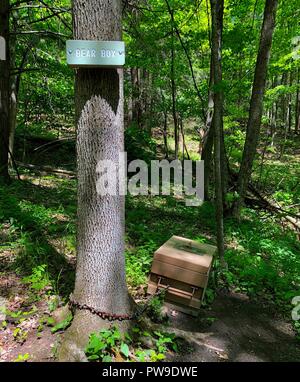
<point>77,335</point>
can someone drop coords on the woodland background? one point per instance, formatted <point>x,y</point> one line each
<point>168,103</point>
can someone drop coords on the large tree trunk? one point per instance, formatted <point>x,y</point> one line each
<point>13,102</point>
<point>217,8</point>
<point>256,103</point>
<point>100,272</point>
<point>4,93</point>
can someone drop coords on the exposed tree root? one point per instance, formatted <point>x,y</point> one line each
<point>77,335</point>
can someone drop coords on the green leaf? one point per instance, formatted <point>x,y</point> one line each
<point>125,349</point>
<point>95,344</point>
<point>93,357</point>
<point>63,324</point>
<point>107,358</point>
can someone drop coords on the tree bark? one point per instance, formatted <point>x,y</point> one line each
<point>14,80</point>
<point>208,143</point>
<point>208,139</point>
<point>173,88</point>
<point>100,272</point>
<point>297,105</point>
<point>136,104</point>
<point>256,103</point>
<point>165,133</point>
<point>4,93</point>
<point>217,9</point>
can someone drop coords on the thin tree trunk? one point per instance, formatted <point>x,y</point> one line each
<point>207,157</point>
<point>217,8</point>
<point>173,88</point>
<point>136,106</point>
<point>184,147</point>
<point>129,101</point>
<point>4,93</point>
<point>207,144</point>
<point>289,116</point>
<point>256,103</point>
<point>288,120</point>
<point>100,272</point>
<point>297,104</point>
<point>165,133</point>
<point>208,140</point>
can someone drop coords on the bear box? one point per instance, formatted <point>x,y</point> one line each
<point>182,266</point>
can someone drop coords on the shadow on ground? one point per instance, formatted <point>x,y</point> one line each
<point>241,332</point>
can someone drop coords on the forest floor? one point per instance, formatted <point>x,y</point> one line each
<point>235,329</point>
<point>251,321</point>
<point>232,329</point>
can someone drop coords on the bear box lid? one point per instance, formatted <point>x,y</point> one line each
<point>187,254</point>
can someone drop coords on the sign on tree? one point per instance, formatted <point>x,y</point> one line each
<point>95,53</point>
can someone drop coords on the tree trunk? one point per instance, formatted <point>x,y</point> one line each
<point>129,115</point>
<point>289,113</point>
<point>184,147</point>
<point>136,105</point>
<point>173,88</point>
<point>4,93</point>
<point>297,105</point>
<point>256,103</point>
<point>217,8</point>
<point>13,96</point>
<point>165,133</point>
<point>207,145</point>
<point>100,272</point>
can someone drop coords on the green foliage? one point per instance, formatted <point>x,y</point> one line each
<point>102,345</point>
<point>19,315</point>
<point>138,263</point>
<point>297,329</point>
<point>38,214</point>
<point>53,303</point>
<point>154,309</point>
<point>63,324</point>
<point>33,217</point>
<point>39,279</point>
<point>22,358</point>
<point>20,335</point>
<point>164,341</point>
<point>139,144</point>
<point>266,260</point>
<point>110,344</point>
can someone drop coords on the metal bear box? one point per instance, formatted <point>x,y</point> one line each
<point>182,267</point>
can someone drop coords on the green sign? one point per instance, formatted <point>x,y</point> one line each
<point>95,53</point>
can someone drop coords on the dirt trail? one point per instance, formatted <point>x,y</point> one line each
<point>241,332</point>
